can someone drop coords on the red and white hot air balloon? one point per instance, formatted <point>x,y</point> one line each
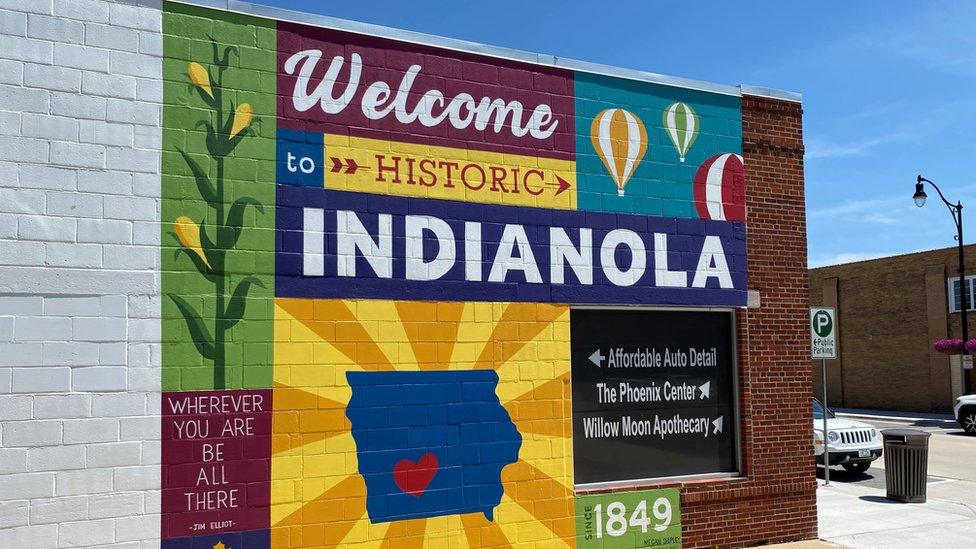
<point>720,192</point>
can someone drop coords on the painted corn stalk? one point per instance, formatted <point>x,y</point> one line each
<point>207,242</point>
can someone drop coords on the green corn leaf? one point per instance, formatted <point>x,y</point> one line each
<point>221,61</point>
<point>204,185</point>
<point>210,101</point>
<point>213,46</point>
<point>235,218</point>
<point>183,250</point>
<point>201,267</point>
<point>213,251</point>
<point>203,95</point>
<point>238,302</point>
<point>225,60</point>
<point>229,123</point>
<point>198,330</point>
<point>215,145</point>
<point>232,144</point>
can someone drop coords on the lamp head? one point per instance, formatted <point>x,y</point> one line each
<point>920,195</point>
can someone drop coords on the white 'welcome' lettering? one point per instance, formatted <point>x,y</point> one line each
<point>378,100</point>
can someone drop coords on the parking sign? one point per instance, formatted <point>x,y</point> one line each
<point>823,332</point>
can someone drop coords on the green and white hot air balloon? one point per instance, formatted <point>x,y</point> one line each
<point>682,125</point>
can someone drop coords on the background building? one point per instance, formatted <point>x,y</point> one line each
<point>890,310</point>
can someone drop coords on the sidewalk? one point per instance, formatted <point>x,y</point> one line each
<point>857,516</point>
<point>809,544</point>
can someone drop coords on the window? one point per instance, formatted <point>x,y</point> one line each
<point>653,395</point>
<point>818,410</point>
<point>955,301</point>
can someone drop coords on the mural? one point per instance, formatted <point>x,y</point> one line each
<point>226,126</point>
<point>412,422</point>
<point>370,250</point>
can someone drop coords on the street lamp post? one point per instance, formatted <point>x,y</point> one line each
<point>956,211</point>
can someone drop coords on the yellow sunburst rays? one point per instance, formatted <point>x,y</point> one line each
<point>315,476</point>
<point>529,348</point>
<point>431,327</point>
<point>314,452</point>
<point>324,521</point>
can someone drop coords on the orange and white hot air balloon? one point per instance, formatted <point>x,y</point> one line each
<point>620,140</point>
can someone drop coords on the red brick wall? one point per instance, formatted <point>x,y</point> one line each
<point>777,500</point>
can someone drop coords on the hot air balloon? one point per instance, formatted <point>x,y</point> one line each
<point>720,188</point>
<point>620,140</point>
<point>682,125</point>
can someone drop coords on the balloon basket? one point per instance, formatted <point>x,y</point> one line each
<point>620,192</point>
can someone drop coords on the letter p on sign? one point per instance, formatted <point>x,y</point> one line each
<point>823,338</point>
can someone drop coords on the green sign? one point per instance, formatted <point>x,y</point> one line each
<point>823,339</point>
<point>822,323</point>
<point>650,518</point>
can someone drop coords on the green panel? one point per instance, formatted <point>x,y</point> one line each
<point>235,274</point>
<point>625,520</point>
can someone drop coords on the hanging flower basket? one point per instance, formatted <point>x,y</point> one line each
<point>971,346</point>
<point>952,346</point>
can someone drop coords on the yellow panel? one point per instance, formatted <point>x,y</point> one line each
<point>408,169</point>
<point>521,528</point>
<point>549,455</point>
<point>316,487</point>
<point>380,320</point>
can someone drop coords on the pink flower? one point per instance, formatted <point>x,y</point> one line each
<point>971,346</point>
<point>953,346</point>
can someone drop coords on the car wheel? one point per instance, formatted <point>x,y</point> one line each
<point>858,468</point>
<point>968,421</point>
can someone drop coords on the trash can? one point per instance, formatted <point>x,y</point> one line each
<point>906,454</point>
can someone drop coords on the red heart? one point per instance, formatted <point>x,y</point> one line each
<point>413,478</point>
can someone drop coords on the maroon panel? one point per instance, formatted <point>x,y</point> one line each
<point>216,454</point>
<point>534,105</point>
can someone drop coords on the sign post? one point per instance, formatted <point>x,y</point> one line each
<point>823,345</point>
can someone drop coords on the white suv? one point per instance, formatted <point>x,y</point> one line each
<point>965,410</point>
<point>853,444</point>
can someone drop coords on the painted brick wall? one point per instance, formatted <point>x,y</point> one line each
<point>80,98</point>
<point>89,217</point>
<point>775,377</point>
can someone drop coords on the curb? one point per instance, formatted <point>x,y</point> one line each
<point>895,418</point>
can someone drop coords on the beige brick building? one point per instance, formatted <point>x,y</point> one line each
<point>890,310</point>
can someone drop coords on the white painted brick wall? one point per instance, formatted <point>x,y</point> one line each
<point>80,109</point>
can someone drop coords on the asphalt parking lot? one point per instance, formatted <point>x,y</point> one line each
<point>854,512</point>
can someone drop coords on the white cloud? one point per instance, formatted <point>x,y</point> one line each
<point>816,148</point>
<point>859,210</point>
<point>938,39</point>
<point>821,148</point>
<point>881,219</point>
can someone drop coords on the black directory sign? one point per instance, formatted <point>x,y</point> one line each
<point>653,394</point>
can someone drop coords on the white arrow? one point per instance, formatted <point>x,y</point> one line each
<point>705,388</point>
<point>717,425</point>
<point>597,358</point>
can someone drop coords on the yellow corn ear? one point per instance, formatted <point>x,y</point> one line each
<point>188,233</point>
<point>200,77</point>
<point>242,119</point>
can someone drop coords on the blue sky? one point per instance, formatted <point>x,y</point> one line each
<point>888,88</point>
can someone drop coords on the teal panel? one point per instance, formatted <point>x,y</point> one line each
<point>661,184</point>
